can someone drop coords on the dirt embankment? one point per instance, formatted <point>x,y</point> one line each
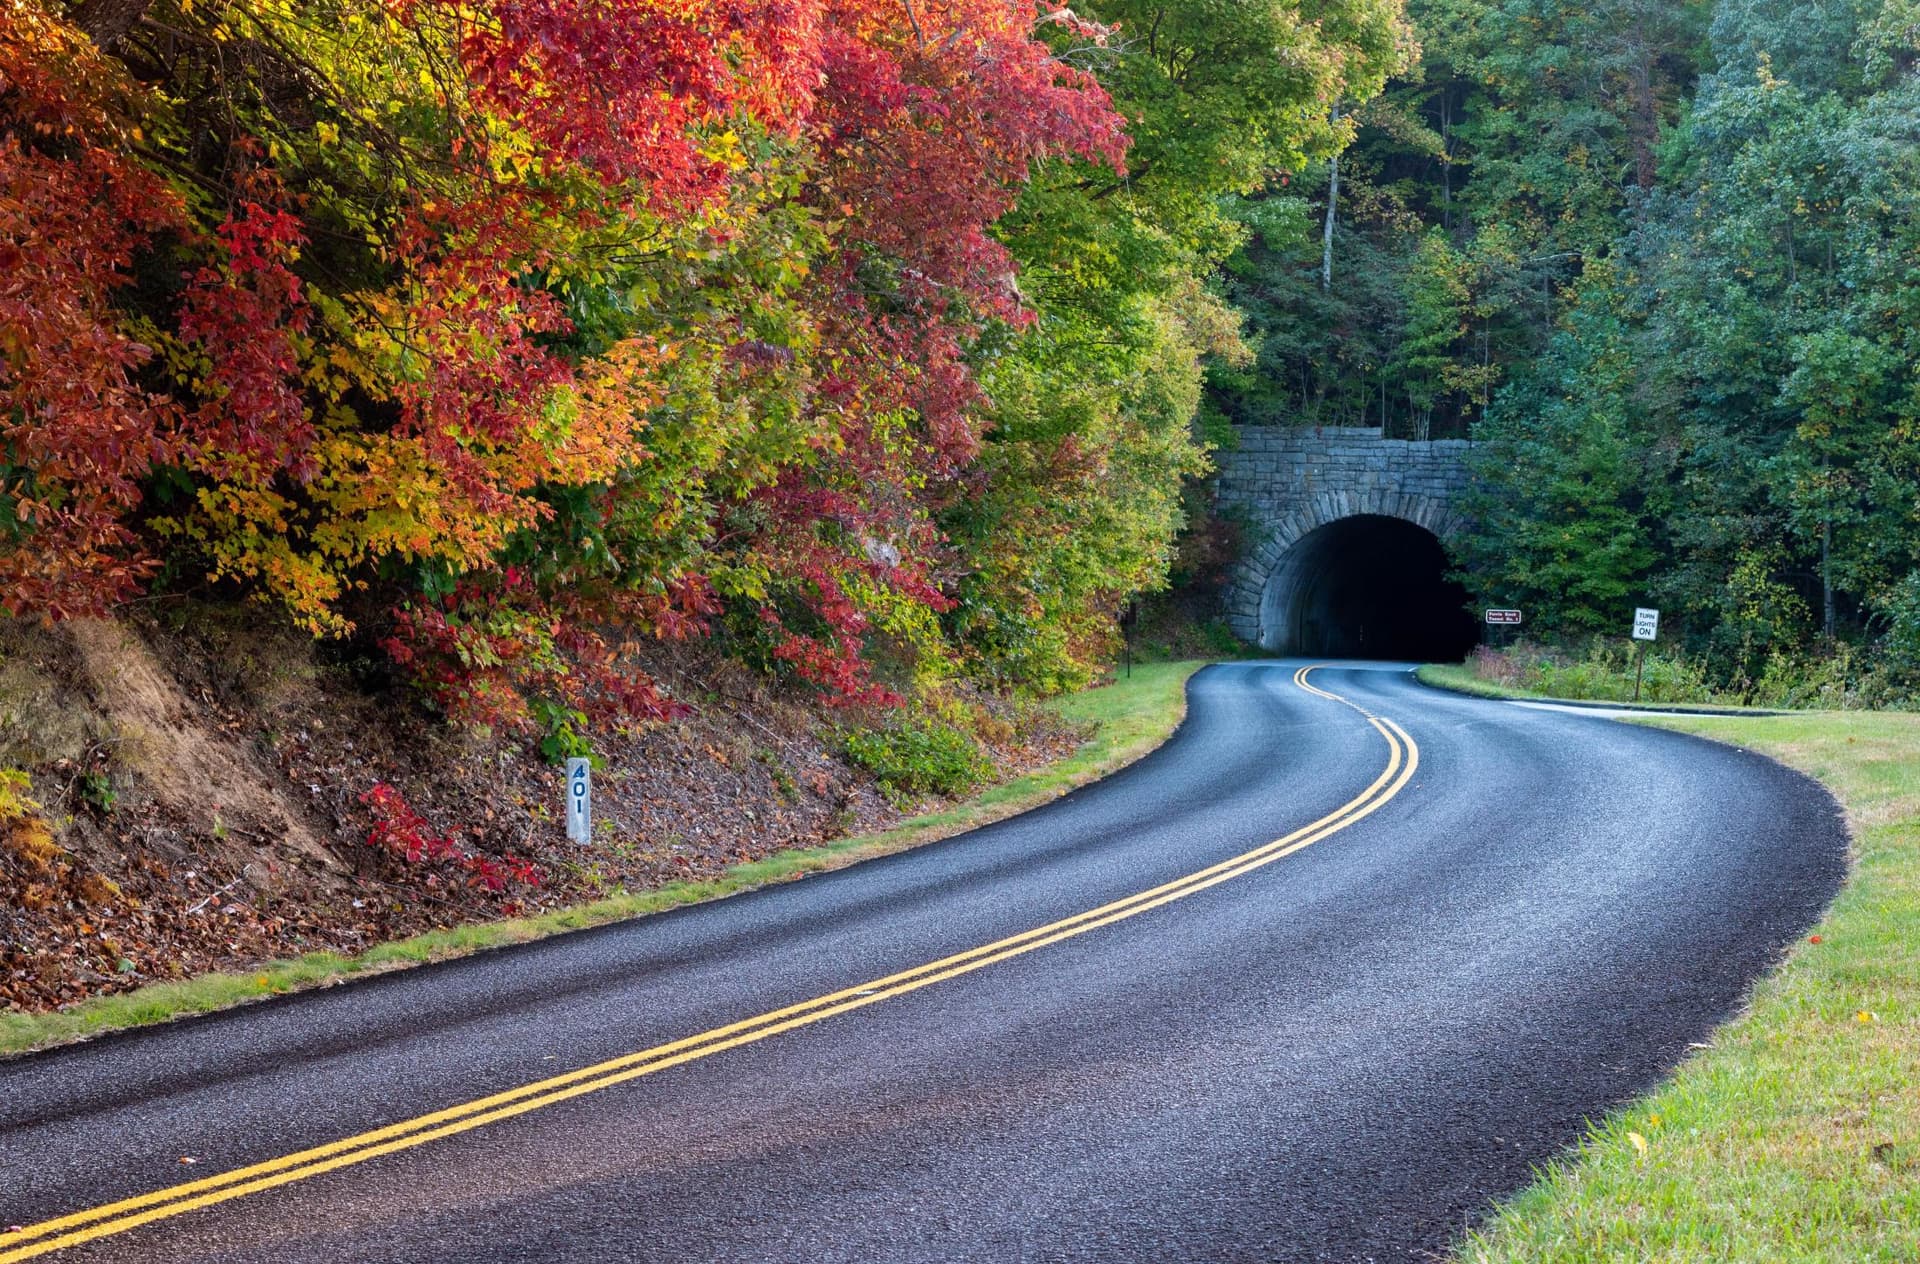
<point>196,791</point>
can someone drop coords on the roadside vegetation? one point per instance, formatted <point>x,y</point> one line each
<point>1604,669</point>
<point>1654,258</point>
<point>1795,1134</point>
<point>397,399</point>
<point>771,402</point>
<point>1119,723</point>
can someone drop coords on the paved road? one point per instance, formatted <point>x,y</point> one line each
<point>1337,1048</point>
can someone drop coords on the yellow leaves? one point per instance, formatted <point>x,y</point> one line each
<point>23,833</point>
<point>1866,1016</point>
<point>591,430</point>
<point>15,801</point>
<point>726,148</point>
<point>326,133</point>
<point>1643,1148</point>
<point>96,889</point>
<point>384,496</point>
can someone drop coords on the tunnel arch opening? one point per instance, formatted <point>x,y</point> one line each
<point>1367,586</point>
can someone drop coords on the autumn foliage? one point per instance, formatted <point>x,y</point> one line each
<point>508,335</point>
<point>400,830</point>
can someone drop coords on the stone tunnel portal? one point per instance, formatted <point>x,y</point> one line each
<point>1367,586</point>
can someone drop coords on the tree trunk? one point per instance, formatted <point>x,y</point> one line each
<point>1333,206</point>
<point>1645,122</point>
<point>1826,547</point>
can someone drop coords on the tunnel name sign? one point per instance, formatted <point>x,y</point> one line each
<point>579,801</point>
<point>1646,624</point>
<point>1503,616</point>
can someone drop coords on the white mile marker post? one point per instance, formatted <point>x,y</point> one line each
<point>579,800</point>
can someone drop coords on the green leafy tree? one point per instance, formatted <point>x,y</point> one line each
<point>1566,508</point>
<point>1095,408</point>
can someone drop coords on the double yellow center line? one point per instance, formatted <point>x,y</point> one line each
<point>112,1218</point>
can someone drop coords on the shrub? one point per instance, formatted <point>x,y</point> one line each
<point>1845,677</point>
<point>23,832</point>
<point>1604,672</point>
<point>920,757</point>
<point>398,829</point>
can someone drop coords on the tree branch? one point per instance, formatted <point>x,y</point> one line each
<point>107,22</point>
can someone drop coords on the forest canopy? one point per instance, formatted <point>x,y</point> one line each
<point>1658,260</point>
<point>864,336</point>
<point>881,341</point>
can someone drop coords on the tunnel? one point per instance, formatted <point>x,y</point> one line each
<point>1367,586</point>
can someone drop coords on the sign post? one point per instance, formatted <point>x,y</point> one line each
<point>1646,627</point>
<point>1502,619</point>
<point>579,800</point>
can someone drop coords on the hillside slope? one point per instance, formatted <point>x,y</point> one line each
<point>190,790</point>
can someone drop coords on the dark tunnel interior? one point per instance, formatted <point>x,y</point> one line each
<point>1369,586</point>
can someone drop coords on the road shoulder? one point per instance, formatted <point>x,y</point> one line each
<point>1794,1132</point>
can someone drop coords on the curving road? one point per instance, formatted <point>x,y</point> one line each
<point>1305,984</point>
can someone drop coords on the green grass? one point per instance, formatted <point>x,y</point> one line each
<point>1463,679</point>
<point>1796,1135</point>
<point>1129,718</point>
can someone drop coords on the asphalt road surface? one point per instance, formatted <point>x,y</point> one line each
<point>1302,985</point>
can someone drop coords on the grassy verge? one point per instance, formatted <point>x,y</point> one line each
<point>1130,718</point>
<point>1463,679</point>
<point>1796,1135</point>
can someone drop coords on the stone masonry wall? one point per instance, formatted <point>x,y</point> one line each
<point>1292,480</point>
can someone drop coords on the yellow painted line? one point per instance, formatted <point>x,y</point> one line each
<point>1300,679</point>
<point>118,1217</point>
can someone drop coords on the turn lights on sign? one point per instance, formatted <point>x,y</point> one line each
<point>1646,624</point>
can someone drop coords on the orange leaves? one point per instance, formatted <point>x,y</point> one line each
<point>79,430</point>
<point>595,421</point>
<point>643,293</point>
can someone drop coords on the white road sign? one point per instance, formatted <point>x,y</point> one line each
<point>579,801</point>
<point>1503,616</point>
<point>1646,624</point>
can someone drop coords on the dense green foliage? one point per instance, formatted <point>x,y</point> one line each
<point>920,757</point>
<point>1660,260</point>
<point>1725,424</point>
<point>1475,193</point>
